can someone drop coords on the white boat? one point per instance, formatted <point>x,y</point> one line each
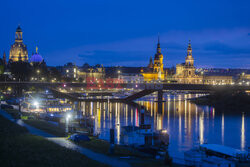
<point>198,158</point>
<point>224,151</point>
<point>134,135</point>
<point>45,103</point>
<point>209,155</point>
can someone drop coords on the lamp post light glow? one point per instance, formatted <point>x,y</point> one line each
<point>164,131</point>
<point>9,89</point>
<point>36,104</point>
<point>68,117</point>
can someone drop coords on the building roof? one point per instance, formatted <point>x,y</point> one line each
<point>36,58</point>
<point>18,29</point>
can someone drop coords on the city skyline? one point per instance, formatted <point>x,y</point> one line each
<point>125,83</point>
<point>224,37</point>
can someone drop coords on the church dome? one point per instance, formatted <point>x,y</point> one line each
<point>18,50</point>
<point>36,58</point>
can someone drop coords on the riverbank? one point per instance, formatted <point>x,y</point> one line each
<point>95,144</point>
<point>225,101</point>
<point>20,148</point>
<point>123,153</point>
<point>32,120</point>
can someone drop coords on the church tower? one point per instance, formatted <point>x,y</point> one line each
<point>158,60</point>
<point>189,59</point>
<point>185,72</point>
<point>4,58</point>
<point>189,63</point>
<point>150,65</point>
<point>18,51</point>
<point>155,70</point>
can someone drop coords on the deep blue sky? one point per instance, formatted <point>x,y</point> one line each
<point>116,32</point>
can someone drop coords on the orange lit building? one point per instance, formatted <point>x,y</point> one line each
<point>18,51</point>
<point>185,72</point>
<point>155,70</point>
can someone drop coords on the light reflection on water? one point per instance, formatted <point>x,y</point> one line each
<point>188,124</point>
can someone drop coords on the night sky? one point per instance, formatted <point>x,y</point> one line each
<point>115,32</point>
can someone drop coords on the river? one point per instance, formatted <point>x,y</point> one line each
<point>188,125</point>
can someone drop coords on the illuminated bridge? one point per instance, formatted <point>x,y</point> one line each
<point>142,89</point>
<point>139,86</point>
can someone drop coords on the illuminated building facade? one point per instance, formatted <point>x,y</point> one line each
<point>185,72</point>
<point>91,72</point>
<point>18,51</point>
<point>131,78</point>
<point>243,77</point>
<point>70,70</point>
<point>217,80</point>
<point>155,70</point>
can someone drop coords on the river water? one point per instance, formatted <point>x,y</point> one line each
<point>188,125</point>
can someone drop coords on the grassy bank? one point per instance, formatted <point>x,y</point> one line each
<point>19,148</point>
<point>95,144</point>
<point>31,119</point>
<point>102,146</point>
<point>139,160</point>
<point>47,127</point>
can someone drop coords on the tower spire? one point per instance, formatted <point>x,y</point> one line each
<point>158,38</point>
<point>19,34</point>
<point>189,44</point>
<point>4,58</point>
<point>189,49</point>
<point>158,45</point>
<point>189,58</point>
<point>150,65</point>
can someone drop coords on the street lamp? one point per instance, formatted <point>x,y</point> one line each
<point>19,107</point>
<point>68,116</point>
<point>119,73</point>
<point>38,72</point>
<point>36,104</point>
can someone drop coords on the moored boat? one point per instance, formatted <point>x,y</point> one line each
<point>216,155</point>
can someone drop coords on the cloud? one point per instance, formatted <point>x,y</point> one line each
<point>217,48</point>
<point>127,58</point>
<point>221,48</point>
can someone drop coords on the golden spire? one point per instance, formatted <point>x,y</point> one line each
<point>36,49</point>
